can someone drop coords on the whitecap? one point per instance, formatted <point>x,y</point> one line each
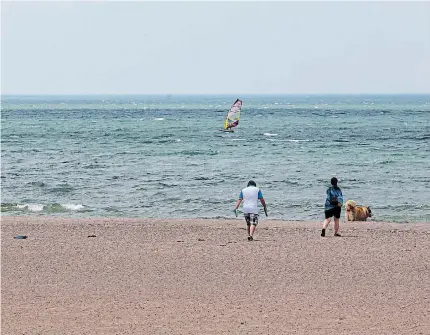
<point>269,134</point>
<point>72,207</point>
<point>159,119</point>
<point>31,207</point>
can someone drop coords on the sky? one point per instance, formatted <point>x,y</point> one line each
<point>222,47</point>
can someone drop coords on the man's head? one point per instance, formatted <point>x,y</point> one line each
<point>334,181</point>
<point>252,183</point>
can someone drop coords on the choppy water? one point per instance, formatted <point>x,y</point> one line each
<point>164,156</point>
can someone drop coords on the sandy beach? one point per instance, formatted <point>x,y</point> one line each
<point>146,276</point>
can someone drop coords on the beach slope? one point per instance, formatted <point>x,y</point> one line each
<point>188,276</point>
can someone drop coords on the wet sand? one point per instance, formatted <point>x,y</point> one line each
<point>141,276</point>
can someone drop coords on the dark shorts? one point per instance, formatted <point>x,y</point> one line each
<point>333,212</point>
<point>251,218</point>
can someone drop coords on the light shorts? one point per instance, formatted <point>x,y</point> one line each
<point>251,219</point>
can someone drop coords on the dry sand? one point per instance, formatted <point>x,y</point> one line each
<point>191,276</point>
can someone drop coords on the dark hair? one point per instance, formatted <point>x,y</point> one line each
<point>334,181</point>
<point>251,182</point>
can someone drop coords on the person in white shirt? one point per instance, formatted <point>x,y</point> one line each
<point>250,196</point>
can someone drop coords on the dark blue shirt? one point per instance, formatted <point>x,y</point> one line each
<point>333,192</point>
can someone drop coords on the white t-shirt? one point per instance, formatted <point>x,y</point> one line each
<point>250,196</point>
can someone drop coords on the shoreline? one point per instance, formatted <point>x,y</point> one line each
<point>188,276</point>
<point>263,220</point>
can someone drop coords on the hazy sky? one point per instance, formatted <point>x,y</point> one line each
<point>214,47</point>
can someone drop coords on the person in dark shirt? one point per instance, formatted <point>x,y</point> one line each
<point>333,206</point>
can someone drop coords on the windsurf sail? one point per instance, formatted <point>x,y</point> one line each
<point>233,115</point>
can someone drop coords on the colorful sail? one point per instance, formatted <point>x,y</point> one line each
<point>233,115</point>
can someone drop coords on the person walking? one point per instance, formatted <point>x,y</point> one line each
<point>250,196</point>
<point>333,206</point>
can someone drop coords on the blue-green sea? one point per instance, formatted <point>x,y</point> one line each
<point>164,156</point>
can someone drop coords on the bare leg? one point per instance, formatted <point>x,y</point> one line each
<point>326,222</point>
<point>336,225</point>
<point>248,223</point>
<point>252,230</point>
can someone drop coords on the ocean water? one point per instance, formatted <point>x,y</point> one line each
<point>164,156</point>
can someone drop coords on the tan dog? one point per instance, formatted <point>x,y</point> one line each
<point>356,213</point>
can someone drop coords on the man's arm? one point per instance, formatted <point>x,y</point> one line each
<point>264,205</point>
<point>237,206</point>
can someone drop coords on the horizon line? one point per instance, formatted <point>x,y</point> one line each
<point>199,94</point>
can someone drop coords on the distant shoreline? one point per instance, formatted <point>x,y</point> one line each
<point>80,95</point>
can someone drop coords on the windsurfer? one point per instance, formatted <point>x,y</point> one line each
<point>231,125</point>
<point>233,115</point>
<point>234,124</point>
